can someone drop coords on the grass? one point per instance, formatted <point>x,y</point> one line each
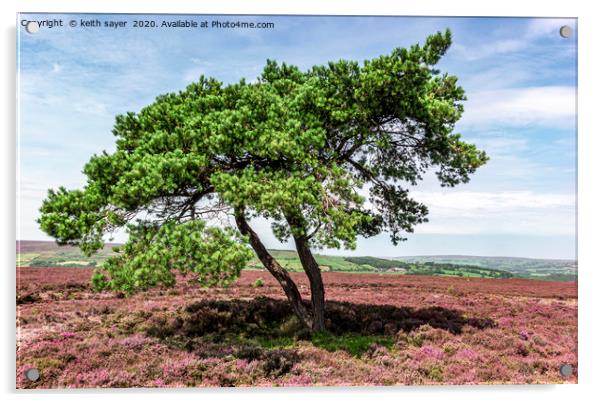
<point>24,259</point>
<point>356,345</point>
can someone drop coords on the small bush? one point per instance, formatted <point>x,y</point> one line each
<point>28,298</point>
<point>452,291</point>
<point>292,327</point>
<point>274,363</point>
<point>279,362</point>
<point>248,352</point>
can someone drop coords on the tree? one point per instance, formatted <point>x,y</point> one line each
<point>298,148</point>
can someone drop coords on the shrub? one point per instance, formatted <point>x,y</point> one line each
<point>279,362</point>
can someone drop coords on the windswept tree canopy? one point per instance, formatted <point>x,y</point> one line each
<point>297,147</point>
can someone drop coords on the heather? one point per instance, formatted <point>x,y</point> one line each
<point>380,330</point>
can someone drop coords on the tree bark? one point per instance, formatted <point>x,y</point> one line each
<point>272,265</point>
<point>312,270</point>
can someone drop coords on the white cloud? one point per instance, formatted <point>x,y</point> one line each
<point>540,106</point>
<point>193,74</point>
<point>489,201</point>
<point>197,68</point>
<point>516,212</point>
<point>36,189</point>
<point>501,76</point>
<point>91,106</point>
<point>489,49</point>
<point>500,145</point>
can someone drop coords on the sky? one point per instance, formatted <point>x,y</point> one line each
<point>519,75</point>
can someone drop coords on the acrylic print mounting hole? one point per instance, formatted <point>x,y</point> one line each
<point>566,31</point>
<point>32,27</point>
<point>32,374</point>
<point>566,370</point>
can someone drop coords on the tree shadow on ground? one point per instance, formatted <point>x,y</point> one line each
<point>270,323</point>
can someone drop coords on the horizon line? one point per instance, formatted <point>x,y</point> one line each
<point>374,256</point>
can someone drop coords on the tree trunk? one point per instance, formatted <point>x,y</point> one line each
<point>312,270</point>
<point>272,265</point>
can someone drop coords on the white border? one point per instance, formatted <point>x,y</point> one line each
<point>588,204</point>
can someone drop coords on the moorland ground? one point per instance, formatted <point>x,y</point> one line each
<point>383,329</point>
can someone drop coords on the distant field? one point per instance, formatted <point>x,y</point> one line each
<point>48,254</point>
<point>532,268</point>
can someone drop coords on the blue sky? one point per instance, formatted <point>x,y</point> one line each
<point>519,75</point>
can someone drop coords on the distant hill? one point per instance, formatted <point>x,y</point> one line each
<point>37,246</point>
<point>534,268</point>
<point>49,254</point>
<point>34,253</point>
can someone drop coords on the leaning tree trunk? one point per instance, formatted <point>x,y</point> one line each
<point>272,265</point>
<point>312,270</point>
